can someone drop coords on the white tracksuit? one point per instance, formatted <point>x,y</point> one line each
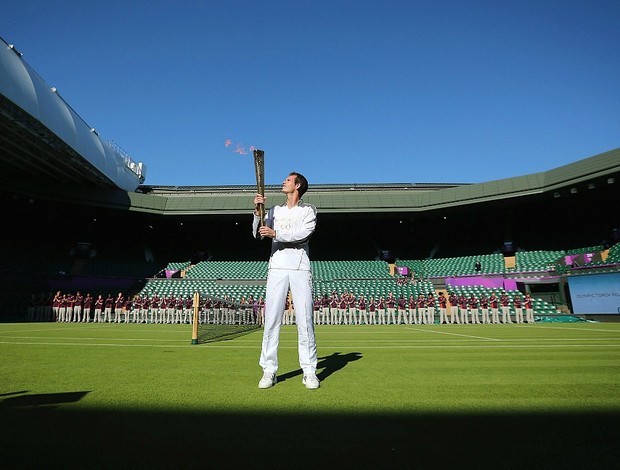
<point>289,266</point>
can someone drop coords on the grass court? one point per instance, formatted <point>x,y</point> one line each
<point>431,396</point>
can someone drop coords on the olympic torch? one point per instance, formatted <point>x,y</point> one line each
<point>259,167</point>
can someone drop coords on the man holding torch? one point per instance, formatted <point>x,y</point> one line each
<point>289,226</point>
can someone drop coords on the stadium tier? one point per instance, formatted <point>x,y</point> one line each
<point>330,270</point>
<point>237,280</point>
<point>458,266</point>
<point>537,261</point>
<point>227,270</point>
<point>587,249</point>
<point>172,266</point>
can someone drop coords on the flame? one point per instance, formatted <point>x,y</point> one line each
<point>239,148</point>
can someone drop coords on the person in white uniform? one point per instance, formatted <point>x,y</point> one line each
<point>290,226</point>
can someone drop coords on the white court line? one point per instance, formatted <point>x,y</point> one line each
<point>45,329</point>
<point>257,347</point>
<point>389,341</point>
<point>97,344</point>
<point>455,334</point>
<point>82,328</point>
<point>425,341</point>
<point>465,346</point>
<point>155,340</point>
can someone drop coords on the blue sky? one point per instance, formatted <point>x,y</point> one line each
<point>341,91</point>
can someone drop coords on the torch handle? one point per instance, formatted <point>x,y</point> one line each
<point>259,167</point>
<point>261,214</point>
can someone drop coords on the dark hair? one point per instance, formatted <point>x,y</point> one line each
<point>302,181</point>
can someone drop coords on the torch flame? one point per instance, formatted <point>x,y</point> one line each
<point>239,148</point>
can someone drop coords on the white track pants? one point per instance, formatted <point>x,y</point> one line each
<point>278,283</point>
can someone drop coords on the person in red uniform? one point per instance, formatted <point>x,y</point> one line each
<point>161,311</point>
<point>529,308</point>
<point>286,317</point>
<point>178,314</point>
<point>352,308</point>
<point>430,308</point>
<point>413,315</point>
<point>333,309</point>
<point>316,310</point>
<point>494,303</point>
<point>88,305</point>
<point>77,307</point>
<point>70,305</point>
<point>119,303</point>
<point>107,308</point>
<point>421,304</point>
<point>372,310</point>
<point>402,311</point>
<point>484,308</point>
<point>504,301</point>
<point>391,309</point>
<point>342,309</point>
<point>443,304</point>
<point>463,303</point>
<point>144,310</point>
<point>454,308</point>
<point>325,310</point>
<point>518,309</point>
<point>261,309</point>
<point>127,308</point>
<point>189,306</point>
<point>473,309</point>
<point>137,308</point>
<point>56,306</point>
<point>99,303</point>
<point>362,313</point>
<point>171,302</point>
<point>381,310</point>
<point>153,307</point>
<point>62,308</point>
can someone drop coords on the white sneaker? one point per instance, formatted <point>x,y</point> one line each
<point>268,380</point>
<point>311,381</point>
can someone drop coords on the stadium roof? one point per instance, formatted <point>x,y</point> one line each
<point>43,140</point>
<point>599,170</point>
<point>584,175</point>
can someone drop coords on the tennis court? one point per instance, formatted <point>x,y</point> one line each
<point>543,395</point>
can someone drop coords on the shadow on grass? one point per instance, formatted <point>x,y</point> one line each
<point>39,437</point>
<point>41,399</point>
<point>13,393</point>
<point>326,366</point>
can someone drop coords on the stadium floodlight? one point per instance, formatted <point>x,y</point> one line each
<point>12,47</point>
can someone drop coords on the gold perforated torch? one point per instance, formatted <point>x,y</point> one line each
<point>259,168</point>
